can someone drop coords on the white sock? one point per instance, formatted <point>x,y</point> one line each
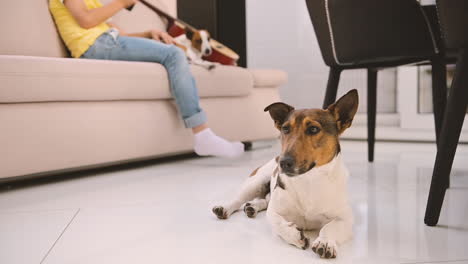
<point>208,143</point>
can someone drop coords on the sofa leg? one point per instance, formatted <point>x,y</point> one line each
<point>247,145</point>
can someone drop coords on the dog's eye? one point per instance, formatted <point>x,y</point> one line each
<point>312,130</point>
<point>286,129</point>
<point>199,41</point>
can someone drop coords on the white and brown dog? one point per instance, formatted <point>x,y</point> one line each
<point>196,44</point>
<point>305,188</point>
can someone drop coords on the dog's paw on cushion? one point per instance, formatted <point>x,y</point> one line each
<point>325,248</point>
<point>220,212</point>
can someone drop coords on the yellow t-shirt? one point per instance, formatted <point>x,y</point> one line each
<point>77,39</point>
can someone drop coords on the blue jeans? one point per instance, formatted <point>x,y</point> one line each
<point>111,46</point>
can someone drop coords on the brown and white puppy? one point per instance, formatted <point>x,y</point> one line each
<point>196,44</point>
<point>305,187</point>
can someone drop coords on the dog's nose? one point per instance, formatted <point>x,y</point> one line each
<point>207,51</point>
<point>287,163</point>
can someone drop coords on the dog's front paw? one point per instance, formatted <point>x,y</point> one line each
<point>220,212</point>
<point>325,248</point>
<point>304,241</point>
<point>250,211</point>
<point>298,238</point>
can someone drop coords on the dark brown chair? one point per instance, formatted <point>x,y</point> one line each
<point>454,23</point>
<point>370,34</point>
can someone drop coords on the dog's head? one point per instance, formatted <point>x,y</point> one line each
<point>309,137</point>
<point>200,41</point>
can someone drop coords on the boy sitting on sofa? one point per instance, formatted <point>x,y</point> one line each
<point>84,28</point>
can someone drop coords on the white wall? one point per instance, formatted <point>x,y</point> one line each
<point>280,35</point>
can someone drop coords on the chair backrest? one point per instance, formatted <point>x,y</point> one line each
<point>453,16</point>
<point>27,26</point>
<point>350,32</point>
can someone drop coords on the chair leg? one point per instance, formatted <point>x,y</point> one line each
<point>371,111</point>
<point>449,135</point>
<point>439,92</point>
<point>439,96</point>
<point>332,86</point>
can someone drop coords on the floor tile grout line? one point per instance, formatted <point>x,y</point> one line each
<point>435,261</point>
<point>60,236</point>
<point>28,211</point>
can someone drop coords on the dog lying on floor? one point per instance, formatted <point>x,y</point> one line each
<point>305,188</point>
<point>196,44</point>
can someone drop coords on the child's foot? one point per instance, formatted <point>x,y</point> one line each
<point>208,143</point>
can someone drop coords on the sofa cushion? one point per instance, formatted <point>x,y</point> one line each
<point>268,77</point>
<point>141,18</point>
<point>27,28</point>
<point>34,31</point>
<point>40,79</point>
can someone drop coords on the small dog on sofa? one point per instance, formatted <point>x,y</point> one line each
<point>305,187</point>
<point>196,44</point>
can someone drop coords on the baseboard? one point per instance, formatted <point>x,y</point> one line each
<point>391,133</point>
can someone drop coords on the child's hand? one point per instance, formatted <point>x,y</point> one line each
<point>127,3</point>
<point>162,36</point>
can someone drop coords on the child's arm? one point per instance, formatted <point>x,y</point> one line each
<point>151,34</point>
<point>91,18</point>
<point>146,34</point>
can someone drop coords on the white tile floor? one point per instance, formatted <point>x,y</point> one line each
<point>162,214</point>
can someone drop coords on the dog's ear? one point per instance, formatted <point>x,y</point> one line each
<point>208,35</point>
<point>344,110</point>
<point>279,113</point>
<point>189,33</point>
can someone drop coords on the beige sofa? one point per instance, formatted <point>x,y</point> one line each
<point>62,114</point>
